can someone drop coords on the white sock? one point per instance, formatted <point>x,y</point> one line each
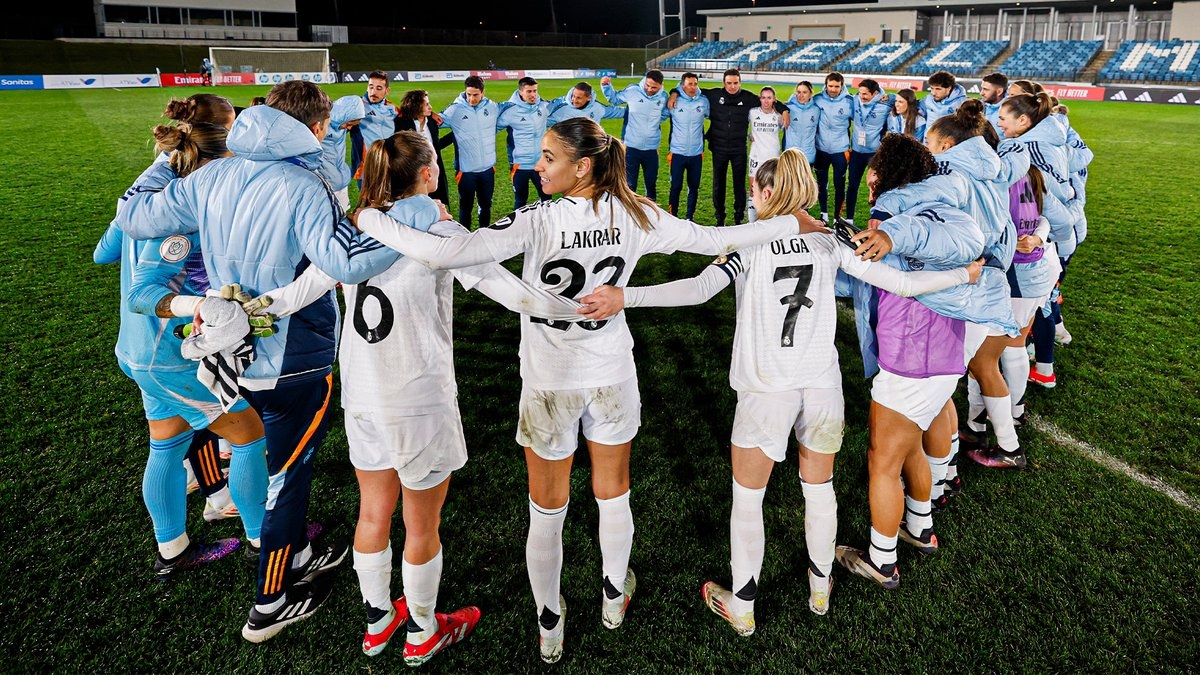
<point>174,548</point>
<point>221,498</point>
<point>747,542</point>
<point>1044,369</point>
<point>820,524</point>
<point>301,559</point>
<point>849,220</point>
<point>616,541</point>
<point>1014,361</point>
<point>951,465</point>
<point>825,216</point>
<point>937,474</point>
<point>918,517</point>
<point>999,410</point>
<point>255,542</point>
<point>375,577</point>
<point>421,590</point>
<point>974,405</point>
<point>883,549</point>
<point>543,556</point>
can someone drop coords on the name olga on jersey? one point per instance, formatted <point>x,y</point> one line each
<point>591,238</point>
<point>786,246</point>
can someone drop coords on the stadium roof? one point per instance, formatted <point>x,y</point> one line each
<point>938,5</point>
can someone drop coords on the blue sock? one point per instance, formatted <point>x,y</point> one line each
<point>248,484</point>
<point>164,486</point>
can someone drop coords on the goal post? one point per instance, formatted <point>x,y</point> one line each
<point>233,60</point>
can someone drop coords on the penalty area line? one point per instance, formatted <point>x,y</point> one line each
<point>1062,438</point>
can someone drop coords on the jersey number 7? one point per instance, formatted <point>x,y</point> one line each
<point>803,276</point>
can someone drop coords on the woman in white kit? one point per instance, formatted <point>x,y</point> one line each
<point>765,143</point>
<point>581,374</point>
<point>785,370</point>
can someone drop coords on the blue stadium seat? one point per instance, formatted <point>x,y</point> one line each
<point>1051,59</point>
<point>880,57</point>
<point>1154,61</point>
<point>959,58</point>
<point>811,56</point>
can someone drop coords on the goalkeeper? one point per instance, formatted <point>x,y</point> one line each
<point>157,277</point>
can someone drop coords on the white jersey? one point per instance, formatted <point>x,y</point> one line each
<point>786,310</point>
<point>764,135</point>
<point>397,352</point>
<point>569,249</point>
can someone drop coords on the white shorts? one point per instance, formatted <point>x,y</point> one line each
<point>764,420</point>
<point>423,449</point>
<point>550,418</point>
<point>918,399</point>
<point>973,339</point>
<point>1024,308</point>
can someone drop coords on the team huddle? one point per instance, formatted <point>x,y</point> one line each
<point>233,243</point>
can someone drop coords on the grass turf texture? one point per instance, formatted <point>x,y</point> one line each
<point>1063,567</point>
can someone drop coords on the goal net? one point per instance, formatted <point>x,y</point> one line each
<point>229,60</point>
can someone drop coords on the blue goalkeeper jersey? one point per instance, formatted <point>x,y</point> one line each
<point>151,269</point>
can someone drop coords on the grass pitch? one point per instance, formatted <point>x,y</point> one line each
<point>1065,567</point>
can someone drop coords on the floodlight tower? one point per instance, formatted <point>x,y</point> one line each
<point>679,15</point>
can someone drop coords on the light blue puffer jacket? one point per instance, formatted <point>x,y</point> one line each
<point>266,216</point>
<point>333,149</point>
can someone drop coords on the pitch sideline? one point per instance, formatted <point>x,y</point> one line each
<point>1063,439</point>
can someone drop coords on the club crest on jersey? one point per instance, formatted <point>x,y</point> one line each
<point>175,248</point>
<point>591,238</point>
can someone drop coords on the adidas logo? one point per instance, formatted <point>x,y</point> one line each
<point>973,90</point>
<point>1119,96</point>
<point>1178,98</point>
<point>1143,97</point>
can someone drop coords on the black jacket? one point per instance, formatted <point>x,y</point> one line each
<point>442,193</point>
<point>729,119</point>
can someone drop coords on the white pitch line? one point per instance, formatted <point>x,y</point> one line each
<point>1106,460</point>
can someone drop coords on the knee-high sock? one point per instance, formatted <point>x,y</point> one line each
<point>375,576</point>
<point>883,549</point>
<point>164,489</point>
<point>421,590</point>
<point>918,516</point>
<point>1015,363</point>
<point>202,458</point>
<point>543,558</point>
<point>820,524</point>
<point>951,459</point>
<point>974,405</point>
<point>999,409</point>
<point>616,542</point>
<point>248,484</point>
<point>747,543</point>
<point>937,474</point>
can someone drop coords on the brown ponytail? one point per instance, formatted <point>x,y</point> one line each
<point>392,168</point>
<point>583,137</point>
<point>1035,107</point>
<point>190,145</point>
<point>200,109</point>
<point>967,122</point>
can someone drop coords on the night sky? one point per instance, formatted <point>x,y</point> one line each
<point>573,16</point>
<point>74,18</point>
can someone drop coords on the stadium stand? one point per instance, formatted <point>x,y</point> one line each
<point>705,51</point>
<point>1051,59</point>
<point>1153,61</point>
<point>756,54</point>
<point>960,58</point>
<point>812,56</point>
<point>880,57</point>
